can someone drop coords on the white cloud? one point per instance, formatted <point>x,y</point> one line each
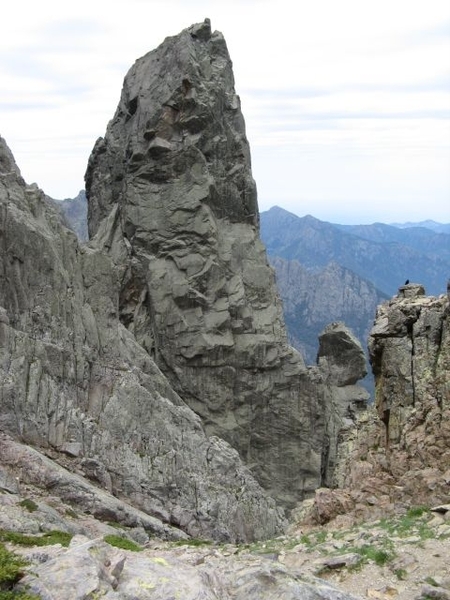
<point>342,100</point>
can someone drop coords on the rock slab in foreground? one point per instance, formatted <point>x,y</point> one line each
<point>161,574</point>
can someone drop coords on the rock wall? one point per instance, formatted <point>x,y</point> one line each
<point>173,202</point>
<point>76,384</point>
<point>399,453</point>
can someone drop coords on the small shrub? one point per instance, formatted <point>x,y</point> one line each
<point>321,537</point>
<point>416,511</point>
<point>121,542</point>
<point>378,555</point>
<point>13,595</point>
<point>29,505</point>
<point>305,540</point>
<point>11,567</point>
<point>400,574</point>
<point>11,570</point>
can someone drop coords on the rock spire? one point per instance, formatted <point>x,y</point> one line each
<point>173,202</point>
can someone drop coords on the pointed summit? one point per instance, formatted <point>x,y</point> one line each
<point>172,199</point>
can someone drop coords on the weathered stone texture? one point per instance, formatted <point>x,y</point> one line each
<point>153,360</point>
<point>399,453</point>
<point>74,381</point>
<point>172,200</point>
<point>159,574</point>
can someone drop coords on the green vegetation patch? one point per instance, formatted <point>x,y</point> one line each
<point>417,511</point>
<point>30,505</point>
<point>380,556</point>
<point>123,543</point>
<point>414,522</point>
<point>46,539</point>
<point>11,570</point>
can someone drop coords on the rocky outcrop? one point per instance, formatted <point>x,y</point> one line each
<point>399,453</point>
<point>76,384</point>
<point>153,361</point>
<point>173,203</point>
<point>342,363</point>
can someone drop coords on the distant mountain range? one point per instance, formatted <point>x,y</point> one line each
<point>437,227</point>
<point>382,254</point>
<point>328,272</point>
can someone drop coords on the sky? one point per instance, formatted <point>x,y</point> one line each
<point>346,102</point>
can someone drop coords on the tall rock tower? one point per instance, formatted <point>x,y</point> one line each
<point>173,201</point>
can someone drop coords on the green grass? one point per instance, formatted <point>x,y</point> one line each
<point>46,539</point>
<point>413,522</point>
<point>417,511</point>
<point>380,556</point>
<point>116,525</point>
<point>29,505</point>
<point>11,571</point>
<point>400,574</point>
<point>305,539</point>
<point>321,536</point>
<point>123,543</point>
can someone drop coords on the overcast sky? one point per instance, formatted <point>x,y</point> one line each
<point>346,102</point>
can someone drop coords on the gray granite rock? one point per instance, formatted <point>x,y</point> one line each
<point>160,574</point>
<point>74,382</point>
<point>173,202</point>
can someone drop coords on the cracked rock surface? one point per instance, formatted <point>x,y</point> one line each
<point>173,202</point>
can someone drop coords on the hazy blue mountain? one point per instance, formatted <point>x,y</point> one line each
<point>422,239</point>
<point>328,272</point>
<point>437,227</point>
<point>387,264</point>
<point>75,211</point>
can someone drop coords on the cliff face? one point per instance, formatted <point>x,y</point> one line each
<point>173,202</point>
<point>75,383</point>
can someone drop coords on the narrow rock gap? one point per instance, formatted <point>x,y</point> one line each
<point>410,332</point>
